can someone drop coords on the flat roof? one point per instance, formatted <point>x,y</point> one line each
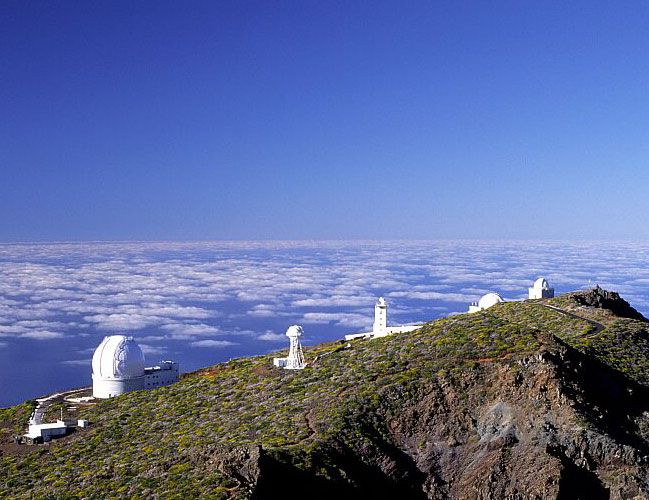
<point>52,425</point>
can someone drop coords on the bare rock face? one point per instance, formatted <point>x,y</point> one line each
<point>242,464</point>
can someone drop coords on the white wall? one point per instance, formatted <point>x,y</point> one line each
<point>109,388</point>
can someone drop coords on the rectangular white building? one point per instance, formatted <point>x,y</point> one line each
<point>47,431</point>
<point>166,373</point>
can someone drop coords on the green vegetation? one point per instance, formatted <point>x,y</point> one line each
<point>157,441</point>
<point>624,345</point>
<point>14,420</point>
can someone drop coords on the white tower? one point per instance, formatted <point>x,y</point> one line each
<point>295,359</point>
<point>541,290</point>
<point>380,318</point>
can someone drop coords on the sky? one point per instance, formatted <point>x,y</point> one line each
<point>159,120</point>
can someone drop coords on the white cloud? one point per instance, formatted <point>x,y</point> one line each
<point>343,319</point>
<point>118,322</point>
<point>39,324</point>
<point>267,311</point>
<point>443,297</point>
<point>42,335</point>
<point>9,330</point>
<point>213,343</point>
<point>150,338</point>
<point>151,350</point>
<point>190,330</point>
<point>89,350</point>
<point>337,301</point>
<point>77,362</point>
<point>270,336</point>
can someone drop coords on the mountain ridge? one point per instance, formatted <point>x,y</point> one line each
<point>533,399</point>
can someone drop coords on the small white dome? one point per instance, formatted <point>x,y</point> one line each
<point>489,300</point>
<point>118,357</point>
<point>541,284</point>
<point>294,331</point>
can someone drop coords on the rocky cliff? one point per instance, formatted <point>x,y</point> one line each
<point>537,399</point>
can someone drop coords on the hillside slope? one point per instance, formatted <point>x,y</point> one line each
<point>536,399</point>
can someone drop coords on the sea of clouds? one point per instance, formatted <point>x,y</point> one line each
<point>204,302</point>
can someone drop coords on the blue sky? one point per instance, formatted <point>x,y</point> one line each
<point>294,120</point>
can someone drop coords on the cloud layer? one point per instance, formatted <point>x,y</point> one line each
<point>193,291</point>
<point>203,302</point>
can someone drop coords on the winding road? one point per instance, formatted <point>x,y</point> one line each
<point>44,403</point>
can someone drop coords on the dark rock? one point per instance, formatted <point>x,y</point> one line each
<point>604,299</point>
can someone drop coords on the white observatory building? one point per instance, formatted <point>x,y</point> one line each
<point>118,367</point>
<point>485,302</point>
<point>541,290</point>
<point>380,327</point>
<point>295,359</point>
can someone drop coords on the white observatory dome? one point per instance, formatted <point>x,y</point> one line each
<point>489,300</point>
<point>117,367</point>
<point>118,357</point>
<point>541,290</point>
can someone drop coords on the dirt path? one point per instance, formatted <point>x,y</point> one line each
<point>597,325</point>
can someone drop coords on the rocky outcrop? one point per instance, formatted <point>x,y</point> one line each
<point>241,464</point>
<point>603,299</point>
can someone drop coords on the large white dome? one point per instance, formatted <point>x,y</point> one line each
<point>489,300</point>
<point>118,357</point>
<point>541,284</point>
